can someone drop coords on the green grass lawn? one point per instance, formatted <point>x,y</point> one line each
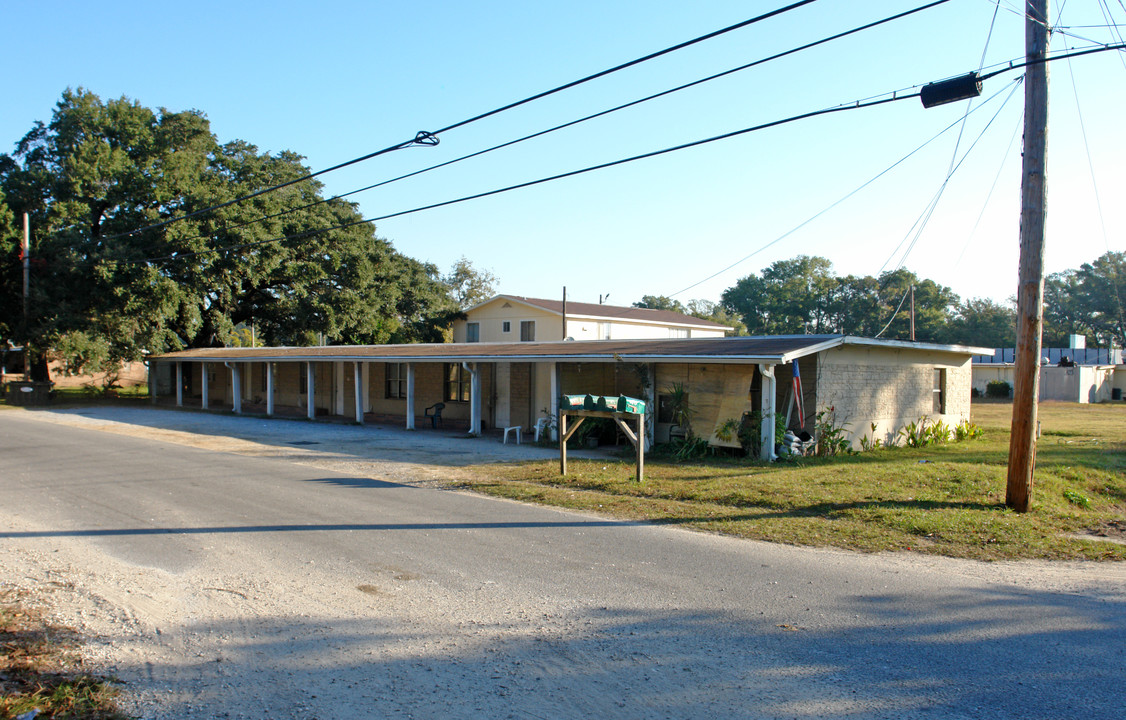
<point>70,396</point>
<point>946,499</point>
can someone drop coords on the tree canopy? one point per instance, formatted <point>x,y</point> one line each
<point>802,295</point>
<point>1090,300</point>
<point>468,285</point>
<point>660,302</point>
<point>295,266</point>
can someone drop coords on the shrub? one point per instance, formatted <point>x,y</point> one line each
<point>998,389</point>
<point>967,430</point>
<point>831,439</point>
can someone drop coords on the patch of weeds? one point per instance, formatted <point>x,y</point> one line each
<point>40,673</point>
<point>1077,498</point>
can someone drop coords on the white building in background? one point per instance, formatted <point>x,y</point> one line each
<point>511,318</point>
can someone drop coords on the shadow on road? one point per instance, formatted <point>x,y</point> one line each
<point>961,655</point>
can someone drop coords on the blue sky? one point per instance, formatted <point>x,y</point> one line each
<point>335,80</point>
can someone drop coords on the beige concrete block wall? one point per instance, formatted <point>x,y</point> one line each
<point>891,388</point>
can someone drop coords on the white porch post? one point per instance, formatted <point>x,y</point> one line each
<point>474,398</point>
<point>150,378</point>
<point>358,381</point>
<point>554,399</point>
<point>650,405</point>
<point>236,387</point>
<point>203,385</point>
<point>311,408</point>
<point>365,376</point>
<point>503,393</point>
<point>767,408</point>
<point>410,396</point>
<point>338,387</point>
<point>179,383</point>
<point>269,388</point>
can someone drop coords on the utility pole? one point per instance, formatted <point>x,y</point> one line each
<point>26,296</point>
<point>912,313</point>
<point>1030,291</point>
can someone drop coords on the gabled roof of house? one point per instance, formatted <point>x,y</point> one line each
<point>610,312</point>
<point>771,350</point>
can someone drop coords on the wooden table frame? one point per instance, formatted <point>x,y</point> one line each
<point>637,439</point>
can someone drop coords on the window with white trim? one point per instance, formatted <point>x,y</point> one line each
<point>527,331</point>
<point>396,380</point>
<point>457,384</point>
<point>473,332</point>
<point>939,405</point>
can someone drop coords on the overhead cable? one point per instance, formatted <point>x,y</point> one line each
<point>531,183</point>
<point>431,138</point>
<point>924,219</point>
<point>840,200</point>
<point>593,116</point>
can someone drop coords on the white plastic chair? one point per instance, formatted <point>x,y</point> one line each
<point>541,425</point>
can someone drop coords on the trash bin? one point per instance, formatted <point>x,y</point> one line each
<point>1116,394</point>
<point>28,393</point>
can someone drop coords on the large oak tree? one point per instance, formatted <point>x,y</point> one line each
<point>102,293</point>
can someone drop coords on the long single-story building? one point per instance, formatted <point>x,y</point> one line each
<point>874,387</point>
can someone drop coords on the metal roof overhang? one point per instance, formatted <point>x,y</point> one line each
<point>744,350</point>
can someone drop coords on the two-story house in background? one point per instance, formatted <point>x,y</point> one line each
<point>511,318</point>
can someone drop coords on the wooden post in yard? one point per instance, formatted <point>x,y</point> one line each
<point>1030,291</point>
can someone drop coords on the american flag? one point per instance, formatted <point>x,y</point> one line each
<point>798,399</point>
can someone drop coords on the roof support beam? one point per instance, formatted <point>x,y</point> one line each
<point>236,387</point>
<point>270,380</point>
<point>767,408</point>
<point>179,384</point>
<point>358,382</point>
<point>203,385</point>
<point>554,397</point>
<point>410,396</point>
<point>310,405</point>
<point>474,398</point>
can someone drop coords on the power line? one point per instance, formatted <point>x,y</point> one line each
<point>1013,65</point>
<point>425,138</point>
<point>863,185</point>
<point>895,96</point>
<point>587,118</point>
<point>924,219</point>
<point>573,173</point>
<point>881,332</point>
<point>989,195</point>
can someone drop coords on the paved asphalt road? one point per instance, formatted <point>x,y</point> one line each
<point>489,608</point>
